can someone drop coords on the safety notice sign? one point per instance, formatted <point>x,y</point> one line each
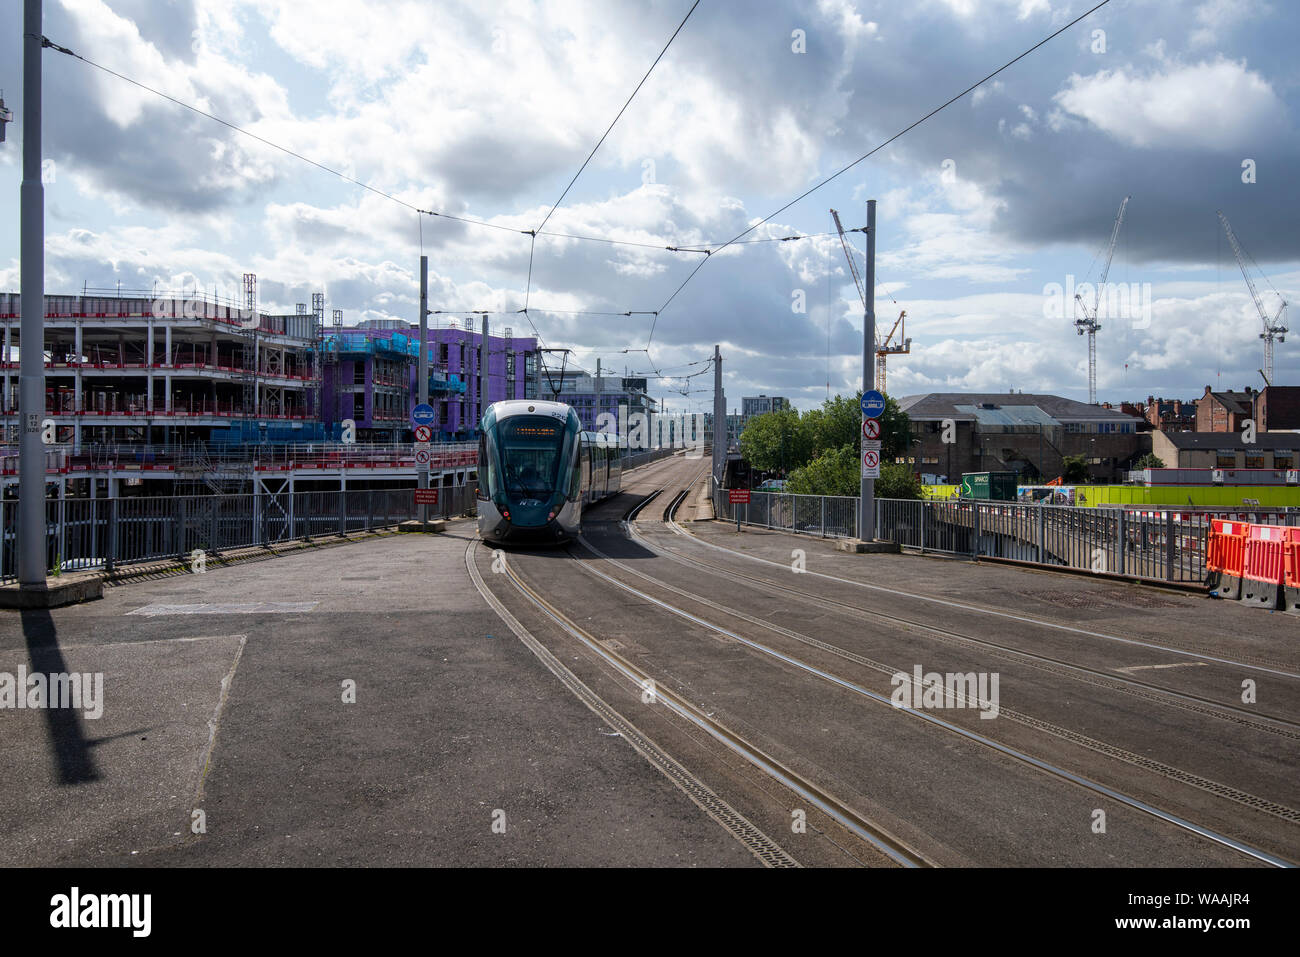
<point>871,463</point>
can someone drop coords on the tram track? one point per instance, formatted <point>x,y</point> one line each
<point>808,789</point>
<point>890,848</point>
<point>1151,691</point>
<point>1228,792</point>
<point>1192,702</point>
<point>1270,666</point>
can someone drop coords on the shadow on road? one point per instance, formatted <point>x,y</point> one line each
<point>68,741</point>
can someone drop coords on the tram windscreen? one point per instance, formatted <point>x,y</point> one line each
<point>530,448</point>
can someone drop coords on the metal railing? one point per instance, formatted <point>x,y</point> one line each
<point>1165,544</point>
<point>829,516</point>
<point>106,534</point>
<point>109,533</point>
<point>1147,542</point>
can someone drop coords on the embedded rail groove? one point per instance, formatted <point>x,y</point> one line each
<point>1041,765</point>
<point>1197,704</point>
<point>846,816</point>
<point>1200,652</point>
<point>740,827</point>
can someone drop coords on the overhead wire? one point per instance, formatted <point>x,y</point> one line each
<point>619,115</point>
<point>872,151</point>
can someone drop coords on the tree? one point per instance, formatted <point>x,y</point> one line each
<point>832,473</point>
<point>839,422</point>
<point>1150,461</point>
<point>1074,470</point>
<point>776,441</point>
<point>897,480</point>
<point>838,472</point>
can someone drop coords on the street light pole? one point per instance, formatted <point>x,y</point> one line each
<point>31,369</point>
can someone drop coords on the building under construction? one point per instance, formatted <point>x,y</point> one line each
<point>170,369</point>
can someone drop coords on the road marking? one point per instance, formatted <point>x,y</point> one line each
<point>228,608</point>
<point>1177,664</point>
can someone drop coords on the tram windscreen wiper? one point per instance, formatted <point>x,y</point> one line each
<point>511,470</point>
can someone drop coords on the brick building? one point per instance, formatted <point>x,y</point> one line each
<point>1274,408</point>
<point>1163,415</point>
<point>1210,450</point>
<point>1028,434</point>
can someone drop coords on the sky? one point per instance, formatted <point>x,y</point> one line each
<point>990,214</point>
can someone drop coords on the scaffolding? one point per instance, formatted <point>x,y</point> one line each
<point>248,374</point>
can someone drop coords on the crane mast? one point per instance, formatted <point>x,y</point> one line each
<point>1274,330</point>
<point>1089,323</point>
<point>883,347</point>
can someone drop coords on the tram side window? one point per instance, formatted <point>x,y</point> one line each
<point>483,464</point>
<point>580,462</point>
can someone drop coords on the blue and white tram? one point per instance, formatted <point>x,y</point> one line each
<point>538,470</point>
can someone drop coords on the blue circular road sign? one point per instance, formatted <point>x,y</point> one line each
<point>423,414</point>
<point>873,404</point>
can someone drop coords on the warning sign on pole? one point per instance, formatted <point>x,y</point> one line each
<point>871,429</point>
<point>871,463</point>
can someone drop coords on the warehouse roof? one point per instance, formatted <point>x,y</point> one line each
<point>985,407</point>
<point>1232,440</point>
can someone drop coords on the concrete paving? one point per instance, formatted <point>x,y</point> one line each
<point>363,705</point>
<point>455,727</point>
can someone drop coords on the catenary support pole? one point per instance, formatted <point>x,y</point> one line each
<point>31,369</point>
<point>422,369</point>
<point>719,421</point>
<point>867,498</point>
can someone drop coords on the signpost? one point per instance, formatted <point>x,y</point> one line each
<point>423,414</point>
<point>426,496</point>
<point>873,403</point>
<point>738,496</point>
<point>871,463</point>
<point>423,433</point>
<point>871,430</point>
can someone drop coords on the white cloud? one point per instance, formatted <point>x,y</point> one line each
<point>1211,105</point>
<point>1215,17</point>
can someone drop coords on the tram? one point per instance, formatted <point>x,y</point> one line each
<point>538,471</point>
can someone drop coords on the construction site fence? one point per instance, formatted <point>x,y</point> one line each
<point>112,534</point>
<point>1157,544</point>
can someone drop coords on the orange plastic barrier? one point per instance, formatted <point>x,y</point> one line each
<point>1291,583</point>
<point>1265,567</point>
<point>1225,558</point>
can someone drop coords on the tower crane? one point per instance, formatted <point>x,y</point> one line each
<point>1089,323</point>
<point>1273,328</point>
<point>887,346</point>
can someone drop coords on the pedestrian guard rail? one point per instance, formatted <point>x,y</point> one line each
<point>1183,545</point>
